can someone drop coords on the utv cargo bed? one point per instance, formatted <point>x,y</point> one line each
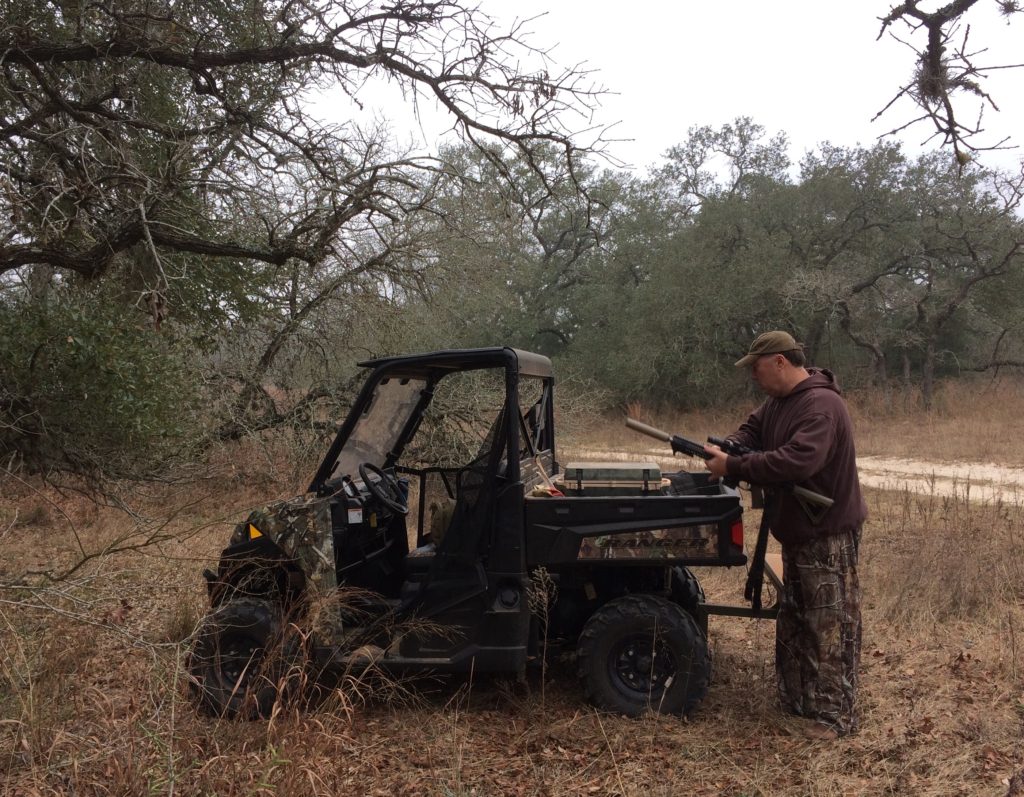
<point>704,527</point>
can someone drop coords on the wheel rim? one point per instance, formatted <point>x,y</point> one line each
<point>239,657</point>
<point>642,666</point>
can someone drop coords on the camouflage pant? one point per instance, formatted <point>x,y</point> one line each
<point>817,642</point>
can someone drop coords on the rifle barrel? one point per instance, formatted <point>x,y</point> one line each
<point>643,428</point>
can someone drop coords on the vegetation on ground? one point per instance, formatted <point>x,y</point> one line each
<point>93,698</point>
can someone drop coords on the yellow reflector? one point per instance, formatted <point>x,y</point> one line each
<point>254,532</point>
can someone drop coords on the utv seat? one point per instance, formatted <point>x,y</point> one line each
<point>418,561</point>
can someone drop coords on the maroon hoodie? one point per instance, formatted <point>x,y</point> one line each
<point>804,438</point>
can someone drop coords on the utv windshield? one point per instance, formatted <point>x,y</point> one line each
<point>379,426</point>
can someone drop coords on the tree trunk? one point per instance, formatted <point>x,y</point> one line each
<point>928,376</point>
<point>881,378</point>
<point>907,377</point>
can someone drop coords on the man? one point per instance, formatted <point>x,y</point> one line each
<point>802,433</point>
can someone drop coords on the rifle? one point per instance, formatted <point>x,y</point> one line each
<point>815,505</point>
<point>730,446</point>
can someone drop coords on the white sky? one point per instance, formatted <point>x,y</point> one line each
<point>811,68</point>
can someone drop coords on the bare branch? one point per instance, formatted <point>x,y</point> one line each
<point>944,71</point>
<point>199,121</point>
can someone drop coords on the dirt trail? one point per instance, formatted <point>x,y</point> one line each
<point>977,480</point>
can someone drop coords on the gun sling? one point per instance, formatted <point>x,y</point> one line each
<point>755,576</point>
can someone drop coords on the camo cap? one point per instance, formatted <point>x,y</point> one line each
<point>774,342</point>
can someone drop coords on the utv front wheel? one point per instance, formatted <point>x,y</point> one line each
<point>243,659</point>
<point>642,653</point>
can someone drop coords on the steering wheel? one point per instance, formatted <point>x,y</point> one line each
<point>385,488</point>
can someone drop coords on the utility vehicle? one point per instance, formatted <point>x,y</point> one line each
<point>440,534</point>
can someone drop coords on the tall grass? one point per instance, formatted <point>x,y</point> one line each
<point>945,557</point>
<point>972,420</point>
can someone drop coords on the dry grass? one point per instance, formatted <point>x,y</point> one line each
<point>973,420</point>
<point>92,699</point>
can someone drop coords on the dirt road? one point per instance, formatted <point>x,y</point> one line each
<point>978,481</point>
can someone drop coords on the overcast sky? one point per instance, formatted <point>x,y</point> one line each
<point>811,68</point>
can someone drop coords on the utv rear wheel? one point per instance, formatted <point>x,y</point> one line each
<point>642,653</point>
<point>244,659</point>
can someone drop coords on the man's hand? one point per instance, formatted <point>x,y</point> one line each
<point>716,461</point>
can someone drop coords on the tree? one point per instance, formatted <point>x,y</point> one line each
<point>689,267</point>
<point>910,250</point>
<point>845,236</point>
<point>160,129</point>
<point>511,256</point>
<point>969,236</point>
<point>83,392</point>
<point>164,154</point>
<point>726,162</point>
<point>870,258</point>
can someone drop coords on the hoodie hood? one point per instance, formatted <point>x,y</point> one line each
<point>818,378</point>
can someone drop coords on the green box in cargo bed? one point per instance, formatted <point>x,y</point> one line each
<point>611,478</point>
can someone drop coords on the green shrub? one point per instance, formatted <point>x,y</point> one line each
<point>86,389</point>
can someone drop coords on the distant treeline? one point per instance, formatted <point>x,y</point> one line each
<point>889,269</point>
